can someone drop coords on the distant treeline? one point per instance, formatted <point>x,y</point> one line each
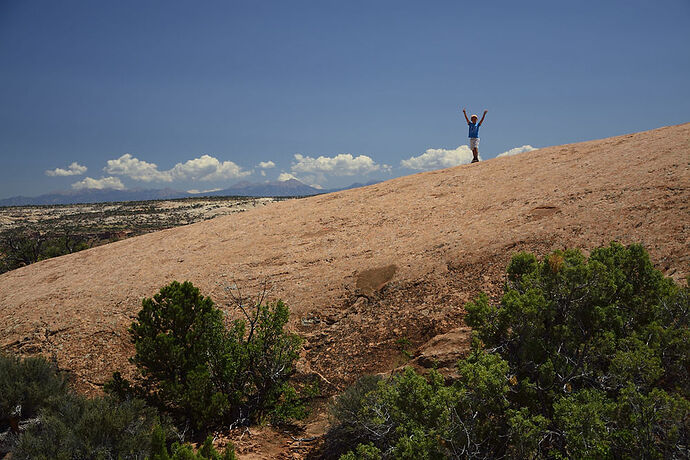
<point>24,245</point>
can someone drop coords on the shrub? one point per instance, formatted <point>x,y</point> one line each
<point>412,416</point>
<point>363,452</point>
<point>60,424</point>
<point>24,246</point>
<point>194,366</point>
<point>347,409</point>
<point>26,386</point>
<point>177,335</point>
<point>77,427</point>
<point>582,358</point>
<point>159,451</point>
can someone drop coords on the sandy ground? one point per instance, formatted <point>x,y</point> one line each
<point>363,269</point>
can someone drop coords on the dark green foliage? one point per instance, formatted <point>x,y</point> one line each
<point>582,358</point>
<point>346,410</point>
<point>655,424</point>
<point>103,428</point>
<point>194,366</point>
<point>412,416</point>
<point>363,452</point>
<point>24,246</point>
<point>178,451</point>
<point>26,386</point>
<point>77,427</point>
<point>178,335</point>
<point>292,404</point>
<point>55,423</point>
<point>567,322</point>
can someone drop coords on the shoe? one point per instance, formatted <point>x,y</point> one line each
<point>474,160</point>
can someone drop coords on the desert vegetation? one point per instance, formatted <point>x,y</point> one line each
<point>29,234</point>
<point>582,358</point>
<point>194,367</point>
<point>24,245</point>
<point>194,372</point>
<point>42,418</point>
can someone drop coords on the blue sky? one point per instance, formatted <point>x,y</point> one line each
<point>196,95</point>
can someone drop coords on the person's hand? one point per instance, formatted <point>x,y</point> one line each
<point>463,109</point>
<point>485,112</point>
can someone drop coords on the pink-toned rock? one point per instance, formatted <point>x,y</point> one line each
<point>444,350</point>
<point>416,248</point>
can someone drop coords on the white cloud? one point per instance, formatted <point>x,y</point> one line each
<point>516,150</point>
<point>205,168</point>
<point>266,165</point>
<point>136,169</point>
<point>209,168</point>
<point>444,158</point>
<point>315,171</point>
<point>99,184</point>
<point>439,158</point>
<point>75,169</point>
<point>286,177</point>
<point>343,164</point>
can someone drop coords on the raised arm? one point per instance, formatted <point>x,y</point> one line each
<point>482,120</point>
<point>466,119</point>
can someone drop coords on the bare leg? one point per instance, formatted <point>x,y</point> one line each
<point>475,152</point>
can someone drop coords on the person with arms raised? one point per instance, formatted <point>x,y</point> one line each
<point>474,133</point>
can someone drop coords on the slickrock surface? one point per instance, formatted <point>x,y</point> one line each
<point>368,269</point>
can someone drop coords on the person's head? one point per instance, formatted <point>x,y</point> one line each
<point>473,118</point>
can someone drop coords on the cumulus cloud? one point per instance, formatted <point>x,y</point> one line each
<point>445,158</point>
<point>75,169</point>
<point>136,169</point>
<point>343,164</point>
<point>266,165</point>
<point>438,158</point>
<point>516,150</point>
<point>315,171</point>
<point>99,184</point>
<point>205,168</point>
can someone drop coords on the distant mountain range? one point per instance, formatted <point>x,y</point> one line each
<point>290,187</point>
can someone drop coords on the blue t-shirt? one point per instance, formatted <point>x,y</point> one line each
<point>474,130</point>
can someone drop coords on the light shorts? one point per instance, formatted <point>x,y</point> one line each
<point>474,143</point>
